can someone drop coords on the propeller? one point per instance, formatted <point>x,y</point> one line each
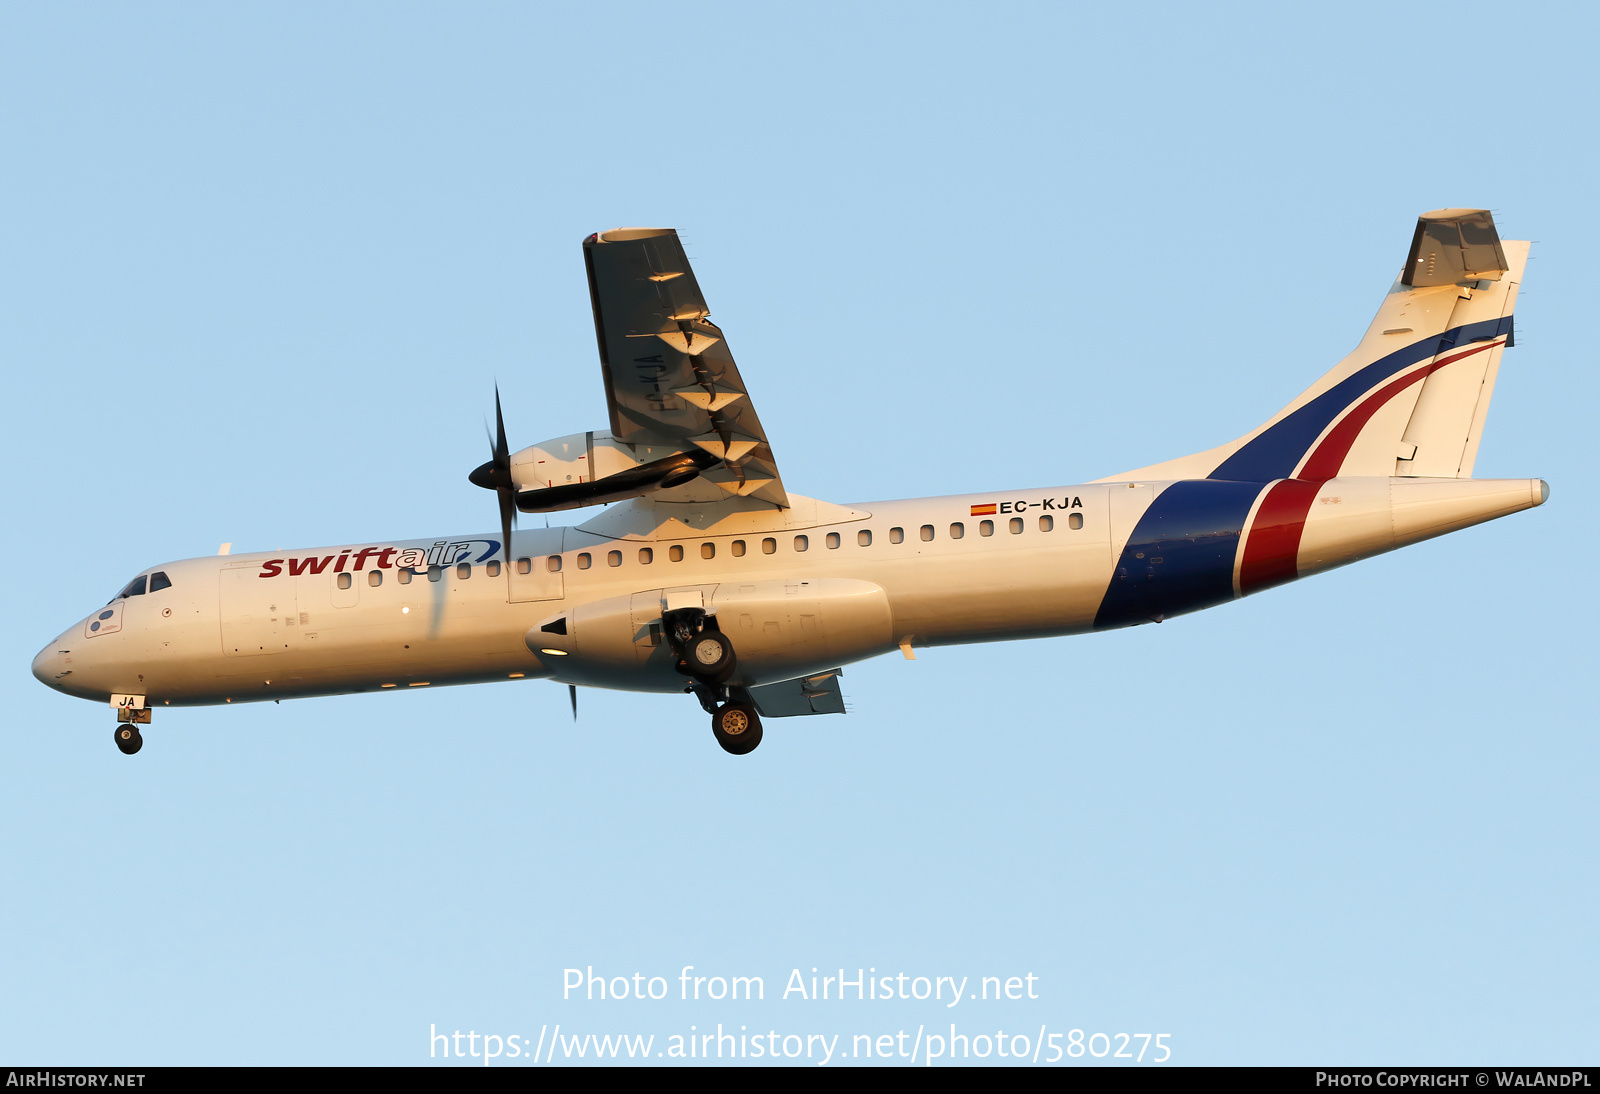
<point>572,693</point>
<point>496,475</point>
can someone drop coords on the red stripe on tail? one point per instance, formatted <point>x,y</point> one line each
<point>1274,543</point>
<point>1271,551</point>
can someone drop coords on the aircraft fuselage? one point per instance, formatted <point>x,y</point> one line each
<point>797,590</point>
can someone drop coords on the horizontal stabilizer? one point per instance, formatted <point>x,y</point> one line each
<point>817,694</point>
<point>1454,245</point>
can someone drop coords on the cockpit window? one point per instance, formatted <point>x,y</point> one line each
<point>135,588</point>
<point>159,581</point>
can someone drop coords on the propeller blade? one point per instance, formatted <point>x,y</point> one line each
<point>502,452</point>
<point>508,518</point>
<point>572,693</point>
<point>496,473</point>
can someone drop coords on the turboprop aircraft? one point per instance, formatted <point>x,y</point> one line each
<point>705,575</point>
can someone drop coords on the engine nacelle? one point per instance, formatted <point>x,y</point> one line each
<point>780,630</point>
<point>594,468</point>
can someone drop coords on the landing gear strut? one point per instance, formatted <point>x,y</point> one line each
<point>706,657</point>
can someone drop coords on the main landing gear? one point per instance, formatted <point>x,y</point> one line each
<point>706,657</point>
<point>734,721</point>
<point>736,728</point>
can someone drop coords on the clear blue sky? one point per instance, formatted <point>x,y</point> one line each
<point>260,266</point>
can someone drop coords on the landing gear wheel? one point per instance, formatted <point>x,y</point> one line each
<point>736,728</point>
<point>709,657</point>
<point>128,739</point>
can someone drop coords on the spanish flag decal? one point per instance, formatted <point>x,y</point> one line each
<point>983,510</point>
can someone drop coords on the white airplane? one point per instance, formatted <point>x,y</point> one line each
<point>709,577</point>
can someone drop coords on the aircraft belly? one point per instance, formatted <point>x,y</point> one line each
<point>1020,593</point>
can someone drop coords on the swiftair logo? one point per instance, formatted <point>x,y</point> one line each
<point>442,553</point>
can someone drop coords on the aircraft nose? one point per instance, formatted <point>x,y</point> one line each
<point>48,666</point>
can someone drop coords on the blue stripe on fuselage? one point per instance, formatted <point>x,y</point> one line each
<point>1188,539</point>
<point>1278,451</point>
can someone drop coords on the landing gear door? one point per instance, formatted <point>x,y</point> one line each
<point>646,620</point>
<point>533,578</point>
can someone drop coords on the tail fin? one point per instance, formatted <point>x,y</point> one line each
<point>1411,400</point>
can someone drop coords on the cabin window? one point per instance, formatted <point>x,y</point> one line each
<point>343,581</point>
<point>708,550</point>
<point>404,576</point>
<point>584,561</point>
<point>769,546</point>
<point>613,558</point>
<point>1046,523</point>
<point>1016,526</point>
<point>645,556</point>
<point>524,565</point>
<point>801,543</point>
<point>957,530</point>
<point>864,538</point>
<point>927,533</point>
<point>464,571</point>
<point>435,573</point>
<point>737,547</point>
<point>159,581</point>
<point>374,578</point>
<point>553,564</point>
<point>897,535</point>
<point>1075,521</point>
<point>492,568</point>
<point>833,540</point>
<point>986,527</point>
<point>675,552</point>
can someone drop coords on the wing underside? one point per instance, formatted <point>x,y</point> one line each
<point>669,377</point>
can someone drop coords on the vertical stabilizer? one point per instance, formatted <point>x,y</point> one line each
<point>1412,398</point>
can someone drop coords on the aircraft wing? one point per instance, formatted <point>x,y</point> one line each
<point>670,379</point>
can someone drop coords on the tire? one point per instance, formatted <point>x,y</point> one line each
<point>737,728</point>
<point>710,657</point>
<point>128,739</point>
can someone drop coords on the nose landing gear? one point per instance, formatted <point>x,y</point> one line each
<point>129,719</point>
